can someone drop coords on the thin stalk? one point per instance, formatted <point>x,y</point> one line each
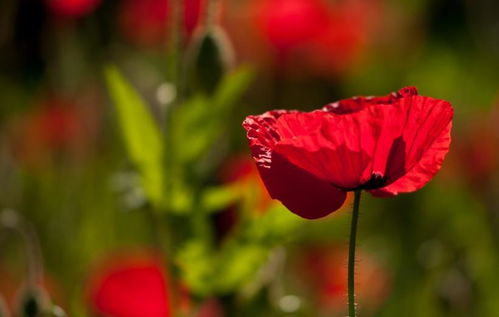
<point>351,255</point>
<point>12,221</point>
<point>211,13</point>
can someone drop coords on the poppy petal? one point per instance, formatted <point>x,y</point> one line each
<point>301,192</point>
<point>358,103</point>
<point>367,146</point>
<point>336,148</point>
<point>428,139</point>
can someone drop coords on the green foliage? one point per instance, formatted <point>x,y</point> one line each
<point>214,272</point>
<point>197,126</point>
<point>197,264</point>
<point>209,271</point>
<point>238,265</point>
<point>216,198</point>
<point>199,122</point>
<point>140,131</point>
<point>275,226</point>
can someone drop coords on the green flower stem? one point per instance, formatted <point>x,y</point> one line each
<point>212,11</point>
<point>351,255</point>
<point>11,220</point>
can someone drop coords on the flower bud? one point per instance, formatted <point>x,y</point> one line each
<point>212,56</point>
<point>32,302</point>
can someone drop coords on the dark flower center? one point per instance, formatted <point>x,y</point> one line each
<point>377,180</point>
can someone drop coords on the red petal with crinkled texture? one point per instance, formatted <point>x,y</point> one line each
<point>358,103</point>
<point>301,192</point>
<point>372,147</point>
<point>427,136</point>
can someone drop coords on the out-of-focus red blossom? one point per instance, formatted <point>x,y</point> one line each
<point>72,8</point>
<point>241,170</point>
<point>129,285</point>
<point>351,24</point>
<point>326,36</point>
<point>478,151</point>
<point>324,269</point>
<point>56,126</point>
<point>291,23</point>
<point>193,10</point>
<point>147,22</point>
<point>210,308</point>
<point>385,145</point>
<point>241,173</point>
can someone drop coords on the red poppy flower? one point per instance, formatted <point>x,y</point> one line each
<point>386,145</point>
<point>130,286</point>
<point>323,36</point>
<point>72,8</point>
<point>289,23</point>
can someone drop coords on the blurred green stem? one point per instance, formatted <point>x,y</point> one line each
<point>351,255</point>
<point>12,221</point>
<point>211,13</point>
<point>174,54</point>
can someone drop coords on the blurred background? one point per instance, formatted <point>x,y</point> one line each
<point>126,185</point>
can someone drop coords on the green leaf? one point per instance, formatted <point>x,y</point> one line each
<point>200,121</point>
<point>140,131</point>
<point>238,265</point>
<point>194,128</point>
<point>276,226</point>
<point>218,197</point>
<point>197,264</point>
<point>233,86</point>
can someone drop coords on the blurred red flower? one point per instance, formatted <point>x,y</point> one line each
<point>72,8</point>
<point>386,145</point>
<point>326,36</point>
<point>324,269</point>
<point>56,126</point>
<point>241,170</point>
<point>146,22</point>
<point>289,23</point>
<point>241,174</point>
<point>129,285</point>
<point>210,308</point>
<point>478,151</point>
